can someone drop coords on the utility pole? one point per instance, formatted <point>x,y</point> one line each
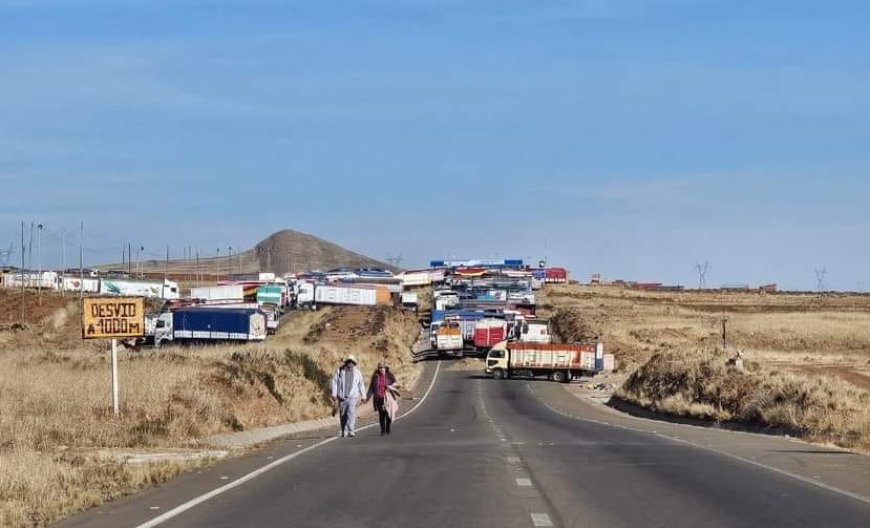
<point>166,268</point>
<point>129,259</point>
<point>198,276</point>
<point>30,250</point>
<point>81,261</point>
<point>39,263</point>
<point>62,261</point>
<point>22,274</point>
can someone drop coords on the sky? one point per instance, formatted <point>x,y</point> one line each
<point>631,138</point>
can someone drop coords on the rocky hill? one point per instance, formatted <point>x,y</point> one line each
<point>283,252</point>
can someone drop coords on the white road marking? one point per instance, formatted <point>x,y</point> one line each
<point>541,519</point>
<point>513,460</point>
<point>178,510</point>
<point>524,482</point>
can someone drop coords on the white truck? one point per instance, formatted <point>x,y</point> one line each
<point>165,289</point>
<point>80,284</point>
<point>532,331</point>
<point>231,293</point>
<point>410,301</point>
<point>448,338</point>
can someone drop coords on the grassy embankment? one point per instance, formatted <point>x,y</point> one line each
<point>62,451</point>
<point>806,357</point>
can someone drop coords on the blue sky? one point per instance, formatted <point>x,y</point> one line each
<point>628,137</point>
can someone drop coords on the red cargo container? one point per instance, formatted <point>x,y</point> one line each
<point>555,275</point>
<point>489,332</point>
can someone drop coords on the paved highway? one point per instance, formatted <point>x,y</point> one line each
<point>480,452</point>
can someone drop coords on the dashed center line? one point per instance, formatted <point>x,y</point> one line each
<point>541,519</point>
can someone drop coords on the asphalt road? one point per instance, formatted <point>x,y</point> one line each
<point>481,452</point>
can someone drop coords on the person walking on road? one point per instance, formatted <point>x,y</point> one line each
<point>347,390</point>
<point>384,394</point>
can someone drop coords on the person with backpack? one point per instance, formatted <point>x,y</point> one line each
<point>384,393</point>
<point>348,389</point>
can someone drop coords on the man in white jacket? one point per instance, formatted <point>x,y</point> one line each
<point>348,389</point>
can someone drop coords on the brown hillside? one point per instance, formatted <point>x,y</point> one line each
<point>283,252</point>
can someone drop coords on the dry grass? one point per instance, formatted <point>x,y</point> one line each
<point>797,332</point>
<point>701,385</point>
<point>55,390</point>
<point>808,355</point>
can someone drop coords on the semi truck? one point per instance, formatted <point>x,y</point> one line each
<point>165,289</point>
<point>311,295</point>
<point>273,294</point>
<point>554,361</point>
<point>205,324</point>
<point>230,293</point>
<point>531,330</point>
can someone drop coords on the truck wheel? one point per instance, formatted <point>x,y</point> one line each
<point>560,376</point>
<point>498,374</point>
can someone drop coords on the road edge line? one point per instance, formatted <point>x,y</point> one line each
<point>182,508</point>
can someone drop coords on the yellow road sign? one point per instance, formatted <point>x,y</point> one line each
<point>112,317</point>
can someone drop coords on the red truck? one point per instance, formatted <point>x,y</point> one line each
<point>489,332</point>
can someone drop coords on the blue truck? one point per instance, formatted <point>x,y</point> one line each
<point>207,325</point>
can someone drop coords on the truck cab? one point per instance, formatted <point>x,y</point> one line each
<point>533,331</point>
<point>497,360</point>
<point>158,328</point>
<point>304,294</point>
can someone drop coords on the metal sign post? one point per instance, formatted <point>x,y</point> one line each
<point>116,399</point>
<point>113,317</point>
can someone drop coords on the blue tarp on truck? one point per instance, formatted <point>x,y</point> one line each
<point>243,324</point>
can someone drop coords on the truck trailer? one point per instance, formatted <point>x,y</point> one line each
<point>206,324</point>
<point>555,361</point>
<point>165,289</point>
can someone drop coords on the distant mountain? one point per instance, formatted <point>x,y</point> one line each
<point>283,252</point>
<point>290,251</point>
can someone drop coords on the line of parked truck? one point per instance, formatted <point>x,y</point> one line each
<point>488,308</point>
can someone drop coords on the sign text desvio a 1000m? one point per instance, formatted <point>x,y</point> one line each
<point>113,317</point>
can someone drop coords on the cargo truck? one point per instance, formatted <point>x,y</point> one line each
<point>165,289</point>
<point>532,330</point>
<point>489,332</point>
<point>206,324</point>
<point>274,294</point>
<point>448,339</point>
<point>229,293</point>
<point>332,294</point>
<point>558,362</point>
<point>410,301</point>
